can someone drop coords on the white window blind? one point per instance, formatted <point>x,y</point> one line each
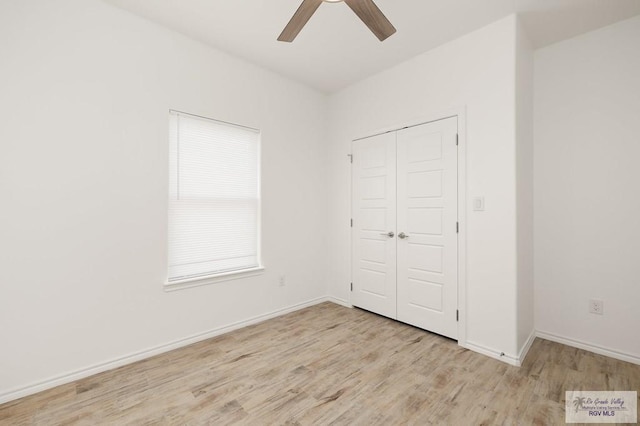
<point>214,197</point>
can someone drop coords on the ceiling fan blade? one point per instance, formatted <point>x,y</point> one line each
<point>299,19</point>
<point>372,17</point>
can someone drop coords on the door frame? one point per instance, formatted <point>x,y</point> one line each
<point>460,113</point>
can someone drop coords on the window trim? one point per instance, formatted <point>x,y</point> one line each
<point>213,278</point>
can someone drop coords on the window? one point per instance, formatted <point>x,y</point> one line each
<point>214,198</point>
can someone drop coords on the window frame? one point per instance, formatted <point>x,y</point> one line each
<point>227,275</point>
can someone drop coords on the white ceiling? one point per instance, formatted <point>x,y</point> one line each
<point>335,49</point>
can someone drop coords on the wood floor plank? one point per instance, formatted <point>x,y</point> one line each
<point>328,365</point>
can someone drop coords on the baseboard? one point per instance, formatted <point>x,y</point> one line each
<point>500,356</point>
<point>138,356</point>
<point>525,349</point>
<point>340,302</point>
<point>589,347</point>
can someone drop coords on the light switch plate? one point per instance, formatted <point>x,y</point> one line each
<point>478,204</point>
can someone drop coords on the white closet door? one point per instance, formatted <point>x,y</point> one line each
<point>427,287</point>
<point>374,219</point>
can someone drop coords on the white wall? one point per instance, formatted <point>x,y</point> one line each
<point>476,71</point>
<point>587,203</point>
<point>86,89</point>
<point>524,186</point>
<point>85,94</point>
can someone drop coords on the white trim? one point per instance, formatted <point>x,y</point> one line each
<point>189,282</point>
<point>137,356</point>
<point>461,113</point>
<point>202,117</point>
<point>501,356</point>
<point>339,301</point>
<point>212,279</point>
<point>525,349</point>
<point>462,221</point>
<point>351,229</point>
<point>634,359</point>
<point>416,121</point>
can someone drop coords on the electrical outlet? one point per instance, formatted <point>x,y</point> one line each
<point>282,281</point>
<point>596,306</point>
<point>478,204</point>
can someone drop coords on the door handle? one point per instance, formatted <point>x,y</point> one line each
<point>389,234</point>
<point>402,236</point>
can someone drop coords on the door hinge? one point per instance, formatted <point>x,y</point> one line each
<point>351,286</point>
<point>457,315</point>
<point>456,139</point>
<point>350,157</point>
<point>457,227</point>
<point>351,223</point>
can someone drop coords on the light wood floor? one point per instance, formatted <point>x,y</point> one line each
<point>328,365</point>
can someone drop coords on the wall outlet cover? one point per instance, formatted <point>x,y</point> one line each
<point>596,306</point>
<point>478,204</point>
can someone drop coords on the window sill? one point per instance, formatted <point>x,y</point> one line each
<point>212,279</point>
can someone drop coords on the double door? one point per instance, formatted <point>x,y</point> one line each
<point>405,226</point>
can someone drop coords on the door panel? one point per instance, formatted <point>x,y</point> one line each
<point>427,260</point>
<point>374,216</point>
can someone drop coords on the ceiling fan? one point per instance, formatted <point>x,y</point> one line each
<point>366,10</point>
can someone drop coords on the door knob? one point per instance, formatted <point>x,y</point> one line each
<point>402,236</point>
<point>389,234</point>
